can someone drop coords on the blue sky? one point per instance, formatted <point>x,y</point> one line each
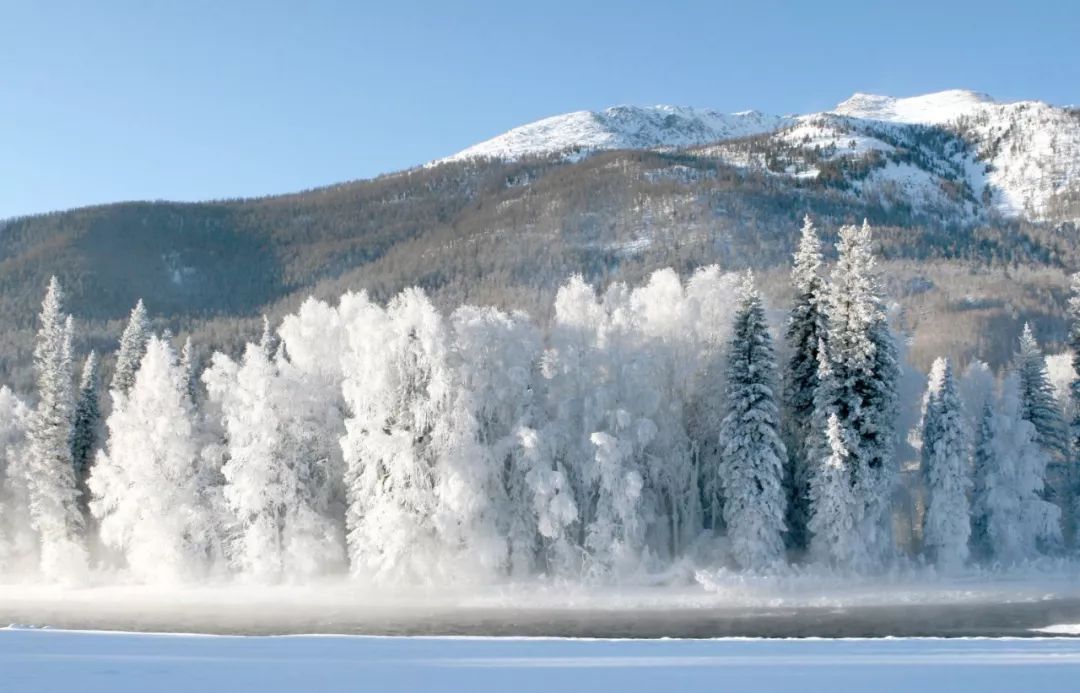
<point>187,100</point>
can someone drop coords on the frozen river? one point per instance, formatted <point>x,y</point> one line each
<point>45,661</point>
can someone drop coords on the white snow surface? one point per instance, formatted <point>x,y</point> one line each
<point>45,661</point>
<point>927,109</point>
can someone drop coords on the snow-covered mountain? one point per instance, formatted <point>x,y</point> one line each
<point>1031,150</point>
<point>955,152</point>
<point>621,127</point>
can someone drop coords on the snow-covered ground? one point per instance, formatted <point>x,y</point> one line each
<point>43,661</point>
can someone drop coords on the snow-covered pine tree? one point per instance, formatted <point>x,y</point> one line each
<point>132,347</point>
<point>807,327</point>
<point>189,363</point>
<point>752,453</point>
<point>1072,523</point>
<point>1019,522</point>
<point>984,464</point>
<point>269,340</point>
<point>861,356</point>
<point>87,425</point>
<point>946,474</point>
<point>151,491</point>
<point>1038,404</point>
<point>50,473</point>
<point>835,512</point>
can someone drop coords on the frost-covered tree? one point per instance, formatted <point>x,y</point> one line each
<point>752,453</point>
<point>397,388</point>
<point>132,347</point>
<point>983,466</point>
<point>500,501</point>
<point>87,425</point>
<point>50,473</point>
<point>18,543</point>
<point>1073,465</point>
<point>152,493</point>
<point>189,364</point>
<point>633,382</point>
<point>835,510</point>
<point>861,390</point>
<point>269,340</point>
<point>278,476</point>
<point>946,473</point>
<point>807,328</point>
<point>1018,521</point>
<point>1038,404</point>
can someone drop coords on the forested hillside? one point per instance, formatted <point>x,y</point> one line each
<point>507,233</point>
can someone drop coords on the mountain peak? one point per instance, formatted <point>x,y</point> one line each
<point>936,108</point>
<point>622,127</point>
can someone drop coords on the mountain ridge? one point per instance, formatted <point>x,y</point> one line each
<point>1014,159</point>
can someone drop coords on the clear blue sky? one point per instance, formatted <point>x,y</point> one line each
<point>186,100</point>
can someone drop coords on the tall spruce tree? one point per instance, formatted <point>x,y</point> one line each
<point>189,364</point>
<point>1073,466</point>
<point>946,474</point>
<point>1038,404</point>
<point>861,390</point>
<point>984,463</point>
<point>87,422</point>
<point>807,327</point>
<point>752,453</point>
<point>51,484</point>
<point>835,511</point>
<point>132,347</point>
<point>1020,523</point>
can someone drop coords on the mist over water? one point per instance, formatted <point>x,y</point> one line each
<point>716,605</point>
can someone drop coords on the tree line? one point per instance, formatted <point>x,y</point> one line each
<point>643,425</point>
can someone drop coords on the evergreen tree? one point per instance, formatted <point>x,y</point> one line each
<point>50,471</point>
<point>947,521</point>
<point>861,390</point>
<point>807,327</point>
<point>983,465</point>
<point>1038,404</point>
<point>1020,524</point>
<point>269,341</point>
<point>132,348</point>
<point>1073,466</point>
<point>84,440</point>
<point>189,364</point>
<point>835,511</point>
<point>752,453</point>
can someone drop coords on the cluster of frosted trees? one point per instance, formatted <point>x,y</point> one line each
<point>641,426</point>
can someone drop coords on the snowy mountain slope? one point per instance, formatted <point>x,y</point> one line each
<point>621,127</point>
<point>957,152</point>
<point>1032,149</point>
<point>930,170</point>
<point>929,109</point>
